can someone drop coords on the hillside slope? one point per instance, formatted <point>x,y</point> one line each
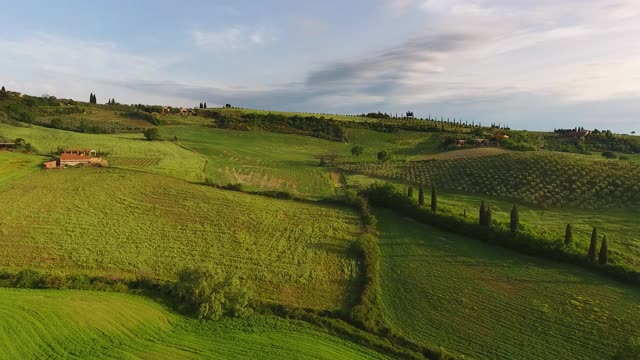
<point>81,324</point>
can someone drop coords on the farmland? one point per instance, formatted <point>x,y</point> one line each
<point>542,178</point>
<point>17,165</point>
<point>82,324</point>
<point>122,223</point>
<point>486,302</point>
<point>174,160</point>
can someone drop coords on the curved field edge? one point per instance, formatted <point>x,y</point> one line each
<point>119,223</point>
<point>55,323</point>
<point>486,302</point>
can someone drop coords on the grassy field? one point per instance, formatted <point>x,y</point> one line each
<point>168,158</point>
<point>621,227</point>
<point>122,223</point>
<point>262,160</point>
<point>80,324</point>
<point>15,165</point>
<point>487,303</point>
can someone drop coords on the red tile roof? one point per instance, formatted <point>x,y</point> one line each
<point>71,157</point>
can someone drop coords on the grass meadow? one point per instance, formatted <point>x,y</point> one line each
<point>14,165</point>
<point>168,158</point>
<point>486,302</point>
<point>116,222</point>
<point>621,227</point>
<point>82,324</point>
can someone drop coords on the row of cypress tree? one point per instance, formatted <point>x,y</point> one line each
<point>486,219</point>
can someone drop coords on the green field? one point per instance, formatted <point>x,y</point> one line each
<point>81,324</point>
<point>544,179</point>
<point>173,160</point>
<point>621,227</point>
<point>122,223</point>
<point>16,165</point>
<point>486,302</point>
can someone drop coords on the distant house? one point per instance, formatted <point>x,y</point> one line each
<point>187,112</point>
<point>500,137</point>
<point>166,109</point>
<point>481,142</point>
<point>460,143</point>
<point>8,146</point>
<point>74,157</point>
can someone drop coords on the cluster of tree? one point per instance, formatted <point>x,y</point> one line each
<point>203,105</point>
<point>569,131</point>
<point>92,99</point>
<point>311,126</point>
<point>112,102</point>
<point>377,115</point>
<point>152,134</point>
<point>210,294</point>
<point>434,196</point>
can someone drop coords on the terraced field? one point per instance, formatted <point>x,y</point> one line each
<point>487,303</point>
<point>174,160</point>
<point>121,223</point>
<point>80,324</point>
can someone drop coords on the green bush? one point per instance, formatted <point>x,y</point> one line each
<point>209,294</point>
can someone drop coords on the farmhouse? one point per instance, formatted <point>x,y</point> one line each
<point>460,143</point>
<point>166,109</point>
<point>74,157</point>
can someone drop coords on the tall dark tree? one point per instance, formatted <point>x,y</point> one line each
<point>421,195</point>
<point>410,192</point>
<point>568,235</point>
<point>91,98</point>
<point>200,105</point>
<point>483,213</point>
<point>434,199</point>
<point>488,217</point>
<point>604,251</point>
<point>205,105</point>
<point>357,150</point>
<point>593,245</point>
<point>515,219</point>
<point>3,89</point>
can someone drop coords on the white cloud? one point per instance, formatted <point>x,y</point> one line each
<point>233,38</point>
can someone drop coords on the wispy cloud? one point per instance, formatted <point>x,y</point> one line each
<point>233,38</point>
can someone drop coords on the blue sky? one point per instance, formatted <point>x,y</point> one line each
<point>530,64</point>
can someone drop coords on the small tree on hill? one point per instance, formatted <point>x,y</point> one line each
<point>488,217</point>
<point>604,251</point>
<point>593,245</point>
<point>152,134</point>
<point>568,235</point>
<point>483,213</point>
<point>434,199</point>
<point>421,195</point>
<point>3,89</point>
<point>383,156</point>
<point>515,219</point>
<point>357,150</point>
<point>410,192</point>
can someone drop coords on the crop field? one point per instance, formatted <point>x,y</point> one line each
<point>465,153</point>
<point>81,324</point>
<point>175,161</point>
<point>116,222</point>
<point>486,302</point>
<point>15,165</point>
<point>541,178</point>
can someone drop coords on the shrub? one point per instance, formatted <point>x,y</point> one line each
<point>357,150</point>
<point>29,279</point>
<point>152,134</point>
<point>210,294</point>
<point>384,156</point>
<point>609,155</point>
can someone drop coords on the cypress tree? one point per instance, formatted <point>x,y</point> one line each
<point>483,213</point>
<point>205,105</point>
<point>603,257</point>
<point>515,219</point>
<point>3,89</point>
<point>488,217</point>
<point>91,98</point>
<point>568,235</point>
<point>410,192</point>
<point>421,195</point>
<point>200,105</point>
<point>434,199</point>
<point>593,245</point>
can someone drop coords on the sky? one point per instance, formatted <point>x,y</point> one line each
<point>535,65</point>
